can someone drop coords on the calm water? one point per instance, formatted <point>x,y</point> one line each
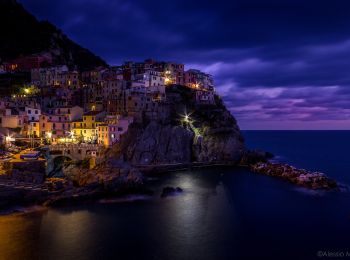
<point>222,214</point>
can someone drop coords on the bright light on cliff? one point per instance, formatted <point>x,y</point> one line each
<point>186,118</point>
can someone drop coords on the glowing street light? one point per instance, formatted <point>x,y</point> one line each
<point>49,135</point>
<point>27,90</point>
<point>186,118</point>
<point>9,138</point>
<point>71,134</point>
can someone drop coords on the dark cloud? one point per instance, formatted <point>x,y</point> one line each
<point>278,64</point>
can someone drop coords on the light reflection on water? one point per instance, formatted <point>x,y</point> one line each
<point>221,214</point>
<point>19,236</point>
<point>65,232</point>
<point>160,227</point>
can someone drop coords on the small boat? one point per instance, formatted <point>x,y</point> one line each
<point>30,155</point>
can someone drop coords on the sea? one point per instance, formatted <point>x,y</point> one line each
<point>222,213</point>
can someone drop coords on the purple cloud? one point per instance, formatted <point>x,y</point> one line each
<point>277,64</point>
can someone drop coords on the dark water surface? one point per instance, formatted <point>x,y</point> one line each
<point>222,214</point>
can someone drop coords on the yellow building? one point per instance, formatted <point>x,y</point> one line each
<point>86,128</point>
<point>33,129</point>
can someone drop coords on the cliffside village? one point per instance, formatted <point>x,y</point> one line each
<point>63,106</point>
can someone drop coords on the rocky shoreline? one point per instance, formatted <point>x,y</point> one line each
<point>115,177</point>
<point>301,177</point>
<point>79,185</point>
<point>113,180</point>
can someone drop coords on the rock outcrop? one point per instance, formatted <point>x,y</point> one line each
<point>301,177</point>
<point>209,134</point>
<point>170,191</point>
<point>82,184</point>
<point>27,172</point>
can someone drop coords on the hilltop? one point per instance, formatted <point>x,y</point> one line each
<point>23,35</point>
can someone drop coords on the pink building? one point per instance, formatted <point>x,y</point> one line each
<point>110,133</point>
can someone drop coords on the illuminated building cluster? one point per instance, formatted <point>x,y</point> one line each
<point>61,105</point>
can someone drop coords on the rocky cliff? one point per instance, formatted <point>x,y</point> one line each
<point>189,132</point>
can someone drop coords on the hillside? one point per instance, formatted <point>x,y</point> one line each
<point>22,34</point>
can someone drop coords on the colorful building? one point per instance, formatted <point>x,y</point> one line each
<point>85,129</point>
<point>198,80</point>
<point>110,133</point>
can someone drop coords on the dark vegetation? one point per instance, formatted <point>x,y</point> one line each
<point>22,34</point>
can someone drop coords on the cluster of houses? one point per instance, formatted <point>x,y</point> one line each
<point>96,106</point>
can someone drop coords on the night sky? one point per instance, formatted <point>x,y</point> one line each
<point>278,64</point>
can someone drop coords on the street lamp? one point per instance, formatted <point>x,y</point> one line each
<point>186,118</point>
<point>26,90</point>
<point>71,134</point>
<point>9,139</point>
<point>49,135</point>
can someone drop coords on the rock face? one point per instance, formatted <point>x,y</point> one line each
<point>110,176</point>
<point>161,144</point>
<point>210,134</point>
<point>91,184</point>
